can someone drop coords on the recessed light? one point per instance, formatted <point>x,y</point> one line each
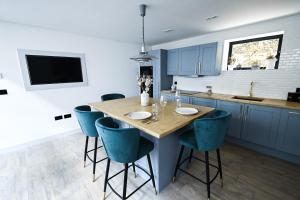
<point>168,30</point>
<point>211,18</point>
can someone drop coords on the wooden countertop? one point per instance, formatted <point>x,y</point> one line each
<point>168,120</point>
<point>226,97</point>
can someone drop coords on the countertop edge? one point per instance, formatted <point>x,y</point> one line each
<point>277,103</point>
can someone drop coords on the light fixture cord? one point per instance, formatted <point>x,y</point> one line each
<point>143,31</point>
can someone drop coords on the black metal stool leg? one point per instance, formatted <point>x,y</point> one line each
<point>178,162</point>
<point>133,167</point>
<point>95,158</point>
<point>151,172</point>
<point>125,181</point>
<point>191,155</point>
<point>220,166</point>
<point>207,174</point>
<point>85,149</point>
<point>106,177</point>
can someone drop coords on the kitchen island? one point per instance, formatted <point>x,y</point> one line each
<point>163,133</point>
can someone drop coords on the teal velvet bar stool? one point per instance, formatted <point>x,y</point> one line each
<point>208,134</point>
<point>124,145</point>
<point>112,96</point>
<point>86,119</point>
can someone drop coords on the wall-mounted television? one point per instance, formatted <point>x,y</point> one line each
<point>48,70</point>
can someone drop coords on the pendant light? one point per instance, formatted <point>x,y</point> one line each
<point>143,55</point>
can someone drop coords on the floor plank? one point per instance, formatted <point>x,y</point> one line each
<point>54,170</point>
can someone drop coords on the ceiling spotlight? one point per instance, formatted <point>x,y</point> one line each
<point>168,30</point>
<point>211,18</point>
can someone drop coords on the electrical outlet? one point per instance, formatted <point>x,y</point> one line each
<point>59,117</point>
<point>3,92</point>
<point>67,116</point>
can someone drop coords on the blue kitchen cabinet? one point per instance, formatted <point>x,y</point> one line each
<point>203,102</point>
<point>289,132</point>
<point>188,60</point>
<point>207,59</point>
<point>260,125</point>
<point>169,97</point>
<point>185,99</point>
<point>236,122</point>
<point>161,80</point>
<point>173,61</point>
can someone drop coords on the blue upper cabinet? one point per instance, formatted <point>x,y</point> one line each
<point>173,62</point>
<point>236,110</point>
<point>289,132</point>
<point>207,59</point>
<point>194,60</point>
<point>261,125</point>
<point>188,60</point>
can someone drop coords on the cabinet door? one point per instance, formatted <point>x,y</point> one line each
<point>188,60</point>
<point>173,61</point>
<point>261,125</point>
<point>236,110</point>
<point>207,58</point>
<point>203,102</point>
<point>169,97</point>
<point>185,99</point>
<point>289,132</point>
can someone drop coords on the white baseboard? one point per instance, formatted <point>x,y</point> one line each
<point>38,141</point>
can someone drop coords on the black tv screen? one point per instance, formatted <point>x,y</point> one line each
<point>53,69</point>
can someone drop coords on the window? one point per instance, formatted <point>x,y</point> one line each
<point>255,53</point>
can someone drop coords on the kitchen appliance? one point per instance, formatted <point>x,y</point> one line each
<point>147,71</point>
<point>298,90</point>
<point>293,96</point>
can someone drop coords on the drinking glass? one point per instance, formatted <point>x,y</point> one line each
<point>154,111</point>
<point>163,101</point>
<point>178,103</point>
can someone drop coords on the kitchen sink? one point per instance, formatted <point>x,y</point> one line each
<point>248,98</point>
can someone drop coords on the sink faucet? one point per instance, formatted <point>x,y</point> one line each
<point>251,89</point>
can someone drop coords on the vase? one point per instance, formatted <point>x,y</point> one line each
<point>145,99</point>
<point>271,63</point>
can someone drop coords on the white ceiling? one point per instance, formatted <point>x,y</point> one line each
<point>120,20</point>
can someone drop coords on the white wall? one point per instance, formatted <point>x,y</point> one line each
<point>270,83</point>
<point>29,115</point>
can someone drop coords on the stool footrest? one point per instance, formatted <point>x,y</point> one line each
<point>141,168</point>
<point>198,159</point>
<point>92,160</point>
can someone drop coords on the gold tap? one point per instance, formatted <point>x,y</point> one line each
<point>251,89</point>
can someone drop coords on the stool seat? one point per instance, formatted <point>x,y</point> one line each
<point>145,147</point>
<point>188,139</point>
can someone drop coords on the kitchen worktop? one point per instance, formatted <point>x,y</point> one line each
<point>227,97</point>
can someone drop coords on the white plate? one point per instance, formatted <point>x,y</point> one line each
<point>139,115</point>
<point>186,111</point>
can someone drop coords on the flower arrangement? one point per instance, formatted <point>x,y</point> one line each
<point>145,82</point>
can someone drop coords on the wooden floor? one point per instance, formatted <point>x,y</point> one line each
<point>54,170</point>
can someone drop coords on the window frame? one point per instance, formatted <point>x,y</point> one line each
<point>277,36</point>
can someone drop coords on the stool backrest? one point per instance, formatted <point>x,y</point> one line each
<point>86,119</point>
<point>112,96</point>
<point>210,131</point>
<point>121,144</point>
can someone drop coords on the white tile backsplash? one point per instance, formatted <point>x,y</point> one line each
<point>267,83</point>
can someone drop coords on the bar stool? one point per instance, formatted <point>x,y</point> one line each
<point>112,96</point>
<point>207,135</point>
<point>86,119</point>
<point>124,145</point>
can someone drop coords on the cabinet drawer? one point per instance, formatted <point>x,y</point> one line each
<point>203,102</point>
